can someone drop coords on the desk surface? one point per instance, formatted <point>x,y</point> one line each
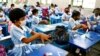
<point>51,49</point>
<point>47,28</point>
<point>4,38</point>
<point>85,41</point>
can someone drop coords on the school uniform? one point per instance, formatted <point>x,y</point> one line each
<point>57,10</point>
<point>30,12</point>
<point>94,18</point>
<point>20,48</point>
<point>35,21</point>
<point>66,16</point>
<point>4,26</point>
<point>73,23</point>
<point>39,11</point>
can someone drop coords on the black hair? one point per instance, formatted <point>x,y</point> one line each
<point>69,5</point>
<point>25,6</point>
<point>12,5</point>
<point>34,11</point>
<point>56,5</point>
<point>38,4</point>
<point>65,9</point>
<point>96,10</point>
<point>52,4</point>
<point>75,13</point>
<point>16,14</point>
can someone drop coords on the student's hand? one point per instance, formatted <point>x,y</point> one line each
<point>44,37</point>
<point>84,26</point>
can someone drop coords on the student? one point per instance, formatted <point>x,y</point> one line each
<point>74,21</point>
<point>36,18</point>
<point>70,9</point>
<point>25,8</point>
<point>4,22</point>
<point>38,4</point>
<point>57,9</point>
<point>39,8</point>
<point>95,17</point>
<point>66,14</point>
<point>5,8</point>
<point>51,8</point>
<point>12,7</point>
<point>30,11</point>
<point>18,33</point>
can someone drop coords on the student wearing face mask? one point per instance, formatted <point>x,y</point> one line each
<point>74,21</point>
<point>95,17</point>
<point>66,14</point>
<point>4,22</point>
<point>36,18</point>
<point>18,35</point>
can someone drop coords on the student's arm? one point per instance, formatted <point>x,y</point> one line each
<point>30,39</point>
<point>77,27</point>
<point>35,36</point>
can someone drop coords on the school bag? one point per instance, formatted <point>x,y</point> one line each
<point>2,51</point>
<point>60,35</point>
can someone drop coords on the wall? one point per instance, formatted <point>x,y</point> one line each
<point>62,3</point>
<point>97,4</point>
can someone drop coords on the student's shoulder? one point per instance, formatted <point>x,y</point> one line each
<point>71,19</point>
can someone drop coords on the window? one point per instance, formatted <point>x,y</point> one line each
<point>77,2</point>
<point>3,0</point>
<point>89,4</point>
<point>84,3</point>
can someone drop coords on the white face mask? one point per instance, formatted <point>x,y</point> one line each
<point>98,17</point>
<point>23,23</point>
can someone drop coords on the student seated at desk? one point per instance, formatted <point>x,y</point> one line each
<point>3,19</point>
<point>4,22</point>
<point>18,33</point>
<point>66,14</point>
<point>51,8</point>
<point>36,19</point>
<point>30,11</point>
<point>74,21</point>
<point>96,17</point>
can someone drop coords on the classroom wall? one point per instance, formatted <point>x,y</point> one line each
<point>97,4</point>
<point>62,3</point>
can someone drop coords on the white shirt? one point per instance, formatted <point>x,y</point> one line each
<point>73,23</point>
<point>66,16</point>
<point>18,34</point>
<point>36,19</point>
<point>30,12</point>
